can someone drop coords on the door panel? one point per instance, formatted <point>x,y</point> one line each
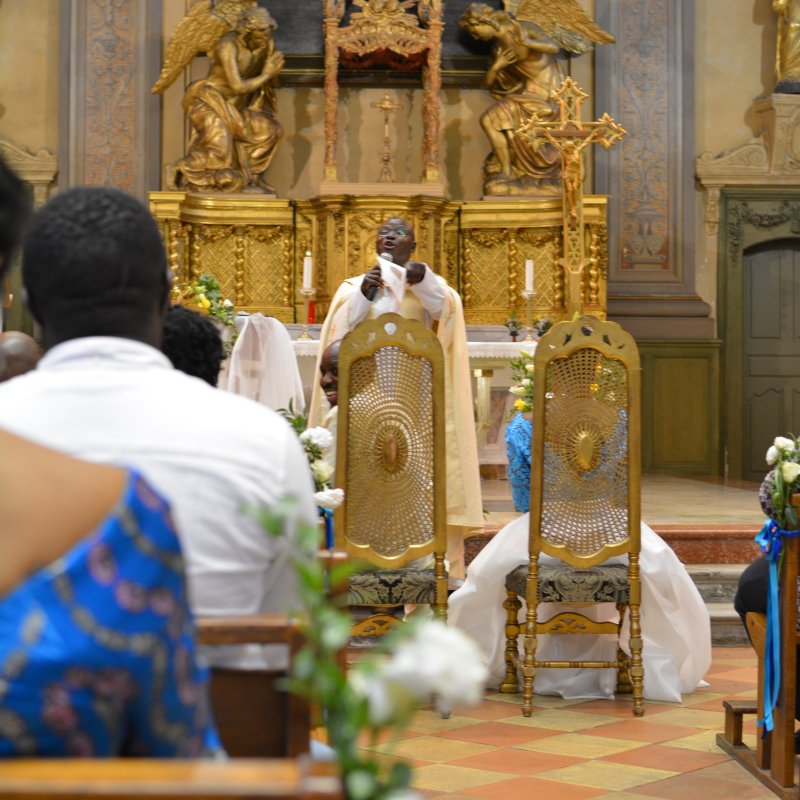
<point>771,350</point>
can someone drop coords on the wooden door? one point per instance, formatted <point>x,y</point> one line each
<point>771,340</point>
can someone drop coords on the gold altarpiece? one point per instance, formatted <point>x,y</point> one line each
<point>255,248</point>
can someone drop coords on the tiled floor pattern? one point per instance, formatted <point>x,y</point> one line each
<point>573,749</point>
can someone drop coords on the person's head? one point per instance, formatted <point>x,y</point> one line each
<point>14,210</point>
<point>329,372</point>
<point>93,264</point>
<point>192,343</point>
<point>19,353</point>
<point>396,237</point>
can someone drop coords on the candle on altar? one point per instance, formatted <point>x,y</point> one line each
<point>308,267</point>
<point>529,275</point>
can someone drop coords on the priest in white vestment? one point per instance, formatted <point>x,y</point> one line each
<point>410,288</point>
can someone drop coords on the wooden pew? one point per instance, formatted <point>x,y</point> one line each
<point>773,762</point>
<point>153,779</point>
<point>255,717</point>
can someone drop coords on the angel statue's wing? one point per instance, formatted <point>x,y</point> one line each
<point>564,21</point>
<point>198,32</point>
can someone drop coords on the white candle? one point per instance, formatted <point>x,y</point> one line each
<point>308,268</point>
<point>529,275</point>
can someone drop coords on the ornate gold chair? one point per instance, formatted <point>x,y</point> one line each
<point>390,455</point>
<point>585,501</point>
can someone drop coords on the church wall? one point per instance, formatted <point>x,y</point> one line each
<point>29,49</point>
<point>735,57</point>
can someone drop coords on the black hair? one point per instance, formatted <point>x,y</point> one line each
<point>93,264</point>
<point>14,211</point>
<point>192,343</point>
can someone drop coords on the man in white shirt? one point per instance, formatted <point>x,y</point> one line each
<point>96,275</point>
<point>412,289</point>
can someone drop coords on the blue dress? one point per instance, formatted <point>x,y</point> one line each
<point>518,448</point>
<point>97,654</point>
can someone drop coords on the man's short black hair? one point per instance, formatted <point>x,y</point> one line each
<point>192,343</point>
<point>14,210</point>
<point>93,264</point>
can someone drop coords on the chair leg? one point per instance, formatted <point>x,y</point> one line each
<point>529,662</point>
<point>512,605</point>
<point>623,671</point>
<point>637,667</point>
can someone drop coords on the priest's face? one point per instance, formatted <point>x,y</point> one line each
<point>329,373</point>
<point>396,237</point>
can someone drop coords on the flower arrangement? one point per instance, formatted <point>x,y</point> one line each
<point>542,325</point>
<point>205,295</point>
<point>383,690</point>
<point>522,374</point>
<point>317,444</point>
<point>784,455</point>
<point>514,325</point>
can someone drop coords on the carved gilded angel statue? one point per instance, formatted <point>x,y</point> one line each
<point>522,77</point>
<point>787,55</point>
<point>232,110</point>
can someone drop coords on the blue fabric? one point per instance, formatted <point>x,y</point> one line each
<point>518,448</point>
<point>769,539</point>
<point>97,654</point>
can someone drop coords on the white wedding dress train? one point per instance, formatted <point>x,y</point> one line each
<point>675,623</point>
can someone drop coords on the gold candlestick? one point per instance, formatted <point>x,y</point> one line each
<point>307,295</point>
<point>528,294</point>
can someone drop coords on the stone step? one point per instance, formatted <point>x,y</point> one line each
<point>716,582</point>
<point>726,627</point>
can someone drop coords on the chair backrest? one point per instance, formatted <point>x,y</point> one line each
<point>586,462</point>
<point>255,716</point>
<point>390,450</point>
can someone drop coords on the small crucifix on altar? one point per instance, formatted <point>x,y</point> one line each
<point>571,135</point>
<point>388,106</point>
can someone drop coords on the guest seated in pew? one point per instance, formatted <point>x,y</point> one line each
<point>96,638</point>
<point>96,274</point>
<point>192,343</point>
<point>675,622</point>
<point>97,653</point>
<point>19,353</point>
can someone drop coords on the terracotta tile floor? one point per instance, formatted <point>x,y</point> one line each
<point>570,750</point>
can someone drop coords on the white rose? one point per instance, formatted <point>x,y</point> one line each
<point>321,470</point>
<point>772,455</point>
<point>319,437</point>
<point>517,390</point>
<point>329,498</point>
<point>790,471</point>
<point>526,381</point>
<point>441,661</point>
<point>227,303</point>
<point>529,367</point>
<point>784,444</point>
<point>388,701</point>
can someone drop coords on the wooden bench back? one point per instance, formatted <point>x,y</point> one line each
<point>163,779</point>
<point>255,717</point>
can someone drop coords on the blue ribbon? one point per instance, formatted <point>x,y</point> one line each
<point>327,516</point>
<point>770,539</point>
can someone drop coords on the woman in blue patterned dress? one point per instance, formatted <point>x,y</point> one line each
<point>97,656</point>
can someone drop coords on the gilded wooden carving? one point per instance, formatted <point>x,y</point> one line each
<point>231,110</point>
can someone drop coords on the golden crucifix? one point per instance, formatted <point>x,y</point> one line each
<point>571,135</point>
<point>387,105</point>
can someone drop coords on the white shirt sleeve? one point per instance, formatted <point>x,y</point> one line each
<point>358,308</point>
<point>430,292</point>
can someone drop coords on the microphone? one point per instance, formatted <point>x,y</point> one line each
<point>373,290</point>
